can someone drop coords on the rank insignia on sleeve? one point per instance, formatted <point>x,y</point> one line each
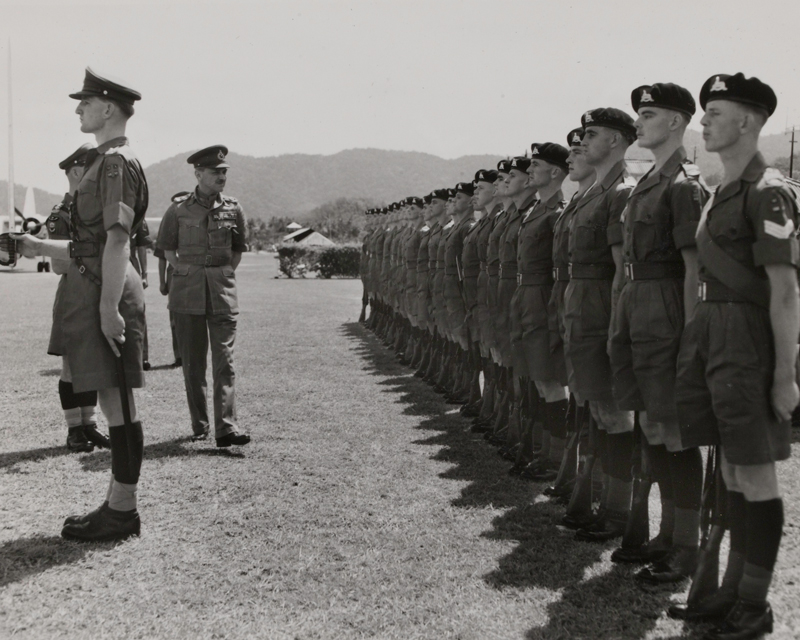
<point>51,226</point>
<point>780,231</point>
<point>112,171</point>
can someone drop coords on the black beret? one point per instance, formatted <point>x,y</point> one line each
<point>575,137</point>
<point>486,175</point>
<point>610,118</point>
<point>665,95</point>
<point>520,163</point>
<point>504,166</point>
<point>442,194</point>
<point>414,200</point>
<point>96,85</point>
<point>465,187</point>
<point>550,152</point>
<point>451,193</point>
<point>737,88</point>
<point>428,198</point>
<point>77,159</point>
<point>210,158</point>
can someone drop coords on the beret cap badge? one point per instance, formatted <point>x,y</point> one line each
<point>719,85</point>
<point>646,97</point>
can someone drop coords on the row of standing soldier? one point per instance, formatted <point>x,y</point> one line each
<point>574,315</point>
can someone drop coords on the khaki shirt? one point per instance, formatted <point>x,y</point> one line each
<point>535,240</point>
<point>196,228</point>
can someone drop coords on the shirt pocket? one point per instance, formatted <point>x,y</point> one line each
<point>189,233</point>
<point>589,235</point>
<point>87,203</point>
<point>219,233</point>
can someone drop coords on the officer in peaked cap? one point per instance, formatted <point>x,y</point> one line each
<point>79,408</point>
<point>102,302</point>
<point>736,382</point>
<point>659,225</point>
<point>203,237</point>
<point>596,277</point>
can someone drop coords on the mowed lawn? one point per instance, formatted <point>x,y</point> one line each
<point>363,508</point>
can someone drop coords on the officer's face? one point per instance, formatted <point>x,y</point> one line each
<point>722,124</point>
<point>484,194</point>
<point>92,112</point>
<point>516,181</point>
<point>211,181</point>
<point>540,173</point>
<point>653,126</point>
<point>597,144</point>
<point>576,161</point>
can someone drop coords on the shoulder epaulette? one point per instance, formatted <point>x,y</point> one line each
<point>628,182</point>
<point>125,151</point>
<point>230,200</point>
<point>181,196</point>
<point>55,210</point>
<point>448,225</point>
<point>425,228</point>
<point>774,178</point>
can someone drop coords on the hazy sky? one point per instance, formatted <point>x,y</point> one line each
<point>445,77</point>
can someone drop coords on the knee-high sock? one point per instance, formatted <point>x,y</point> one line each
<point>764,530</point>
<point>737,525</point>
<point>686,469</point>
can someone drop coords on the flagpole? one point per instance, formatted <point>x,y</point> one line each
<point>11,213</point>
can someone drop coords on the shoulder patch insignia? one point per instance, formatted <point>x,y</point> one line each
<point>112,170</point>
<point>425,228</point>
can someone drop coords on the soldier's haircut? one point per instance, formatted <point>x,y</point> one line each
<point>126,109</point>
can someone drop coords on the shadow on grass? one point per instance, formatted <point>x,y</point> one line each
<point>50,373</point>
<point>100,459</point>
<point>595,601</point>
<point>25,557</point>
<point>163,367</point>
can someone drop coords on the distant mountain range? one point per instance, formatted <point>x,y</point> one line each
<point>293,185</point>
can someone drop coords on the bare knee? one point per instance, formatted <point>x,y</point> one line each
<point>111,406</point>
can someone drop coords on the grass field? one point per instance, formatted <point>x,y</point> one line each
<point>363,508</point>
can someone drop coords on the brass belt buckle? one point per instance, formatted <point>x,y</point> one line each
<point>629,270</point>
<point>208,260</point>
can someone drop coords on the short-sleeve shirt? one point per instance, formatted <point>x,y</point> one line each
<point>663,211</point>
<point>195,225</point>
<point>753,220</point>
<point>596,225</point>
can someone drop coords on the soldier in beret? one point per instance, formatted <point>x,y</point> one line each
<point>79,408</point>
<point>737,366</point>
<point>454,295</point>
<point>530,310</point>
<point>660,262</point>
<point>522,195</point>
<point>498,421</point>
<point>438,218</point>
<point>202,235</point>
<point>584,175</point>
<point>422,291</point>
<point>596,276</point>
<point>485,204</point>
<point>102,302</point>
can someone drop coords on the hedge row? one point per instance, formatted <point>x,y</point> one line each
<point>297,261</point>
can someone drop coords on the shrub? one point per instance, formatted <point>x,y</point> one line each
<point>297,261</point>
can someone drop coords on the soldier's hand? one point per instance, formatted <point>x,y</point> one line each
<point>27,245</point>
<point>113,326</point>
<point>785,396</point>
<point>144,282</point>
<point>163,288</point>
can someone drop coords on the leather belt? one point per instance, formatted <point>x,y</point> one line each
<point>654,270</point>
<point>483,266</point>
<point>539,277</point>
<point>493,269</point>
<point>561,274</point>
<point>431,264</point>
<point>205,261</point>
<point>84,249</point>
<point>440,264</point>
<point>598,271</point>
<point>451,271</point>
<point>713,291</point>
<point>471,271</point>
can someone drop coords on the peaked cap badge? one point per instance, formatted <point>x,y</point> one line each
<point>718,85</point>
<point>221,155</point>
<point>646,97</point>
